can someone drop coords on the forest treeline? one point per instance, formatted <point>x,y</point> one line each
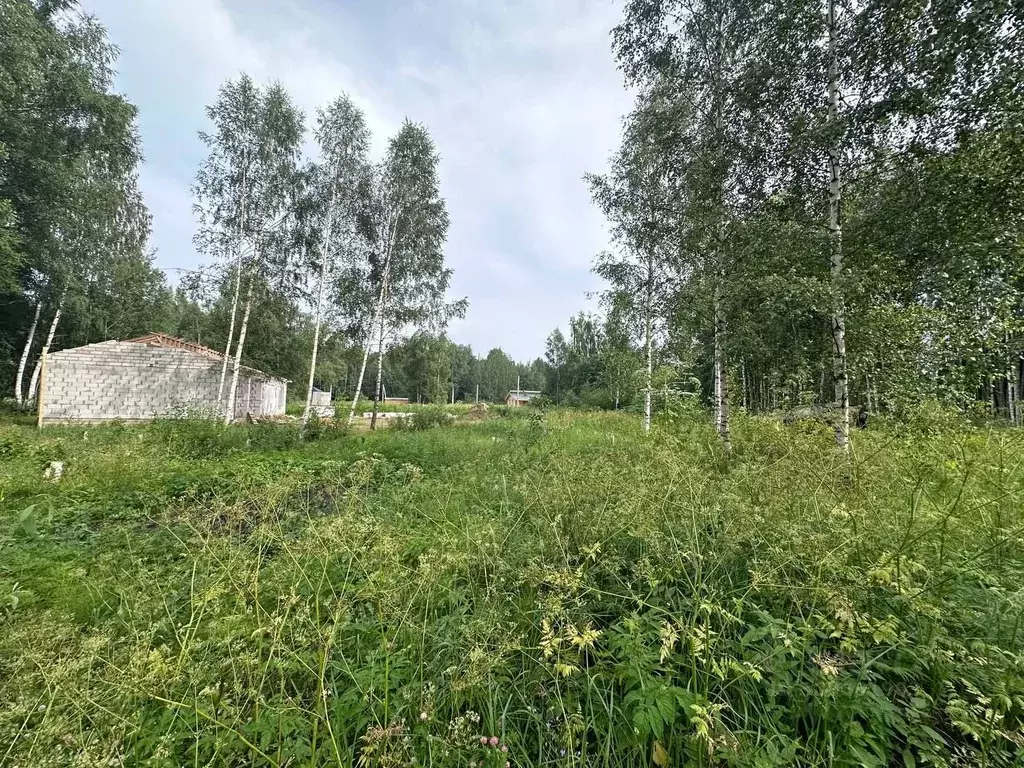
<point>820,202</point>
<point>813,203</point>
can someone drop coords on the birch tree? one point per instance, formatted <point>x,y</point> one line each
<point>275,168</point>
<point>344,142</point>
<point>69,150</point>
<point>635,197</point>
<point>225,185</point>
<point>245,191</point>
<point>687,56</point>
<point>408,225</point>
<point>18,396</point>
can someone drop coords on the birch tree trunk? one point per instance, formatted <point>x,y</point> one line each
<point>316,346</point>
<point>369,340</point>
<point>319,305</point>
<point>835,230</point>
<point>743,383</point>
<point>366,355</point>
<point>380,366</point>
<point>25,353</point>
<point>362,373</point>
<point>722,400</point>
<point>717,377</point>
<point>229,411</point>
<point>238,286</point>
<point>1011,390</point>
<point>49,343</point>
<point>378,318</point>
<point>649,342</point>
<point>231,329</point>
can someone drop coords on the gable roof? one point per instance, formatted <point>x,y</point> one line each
<point>157,339</point>
<point>523,394</point>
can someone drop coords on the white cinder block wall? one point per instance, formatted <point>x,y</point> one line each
<point>135,382</point>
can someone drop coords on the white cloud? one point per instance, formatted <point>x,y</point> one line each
<point>522,98</point>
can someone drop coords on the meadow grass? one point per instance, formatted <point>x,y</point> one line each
<point>200,596</point>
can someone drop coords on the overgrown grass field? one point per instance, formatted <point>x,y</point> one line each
<point>187,595</point>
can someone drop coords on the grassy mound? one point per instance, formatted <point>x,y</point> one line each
<point>189,595</point>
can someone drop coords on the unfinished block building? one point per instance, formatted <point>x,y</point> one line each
<point>149,377</point>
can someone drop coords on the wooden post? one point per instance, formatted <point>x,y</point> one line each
<point>41,396</point>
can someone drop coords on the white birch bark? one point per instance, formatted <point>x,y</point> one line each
<point>369,341</point>
<point>378,317</point>
<point>721,381</point>
<point>229,411</point>
<point>231,329</point>
<point>238,284</point>
<point>49,343</point>
<point>380,364</point>
<point>835,229</point>
<point>362,373</point>
<point>1011,389</point>
<point>319,303</point>
<point>649,342</point>
<point>717,382</point>
<point>722,400</point>
<point>25,353</point>
<point>743,383</point>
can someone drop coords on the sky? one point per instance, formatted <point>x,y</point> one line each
<point>522,98</point>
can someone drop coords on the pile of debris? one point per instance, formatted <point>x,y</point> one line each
<point>478,412</point>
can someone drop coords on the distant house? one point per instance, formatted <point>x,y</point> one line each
<point>517,397</point>
<point>148,377</point>
<point>320,403</point>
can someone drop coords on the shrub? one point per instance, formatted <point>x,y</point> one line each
<point>428,418</point>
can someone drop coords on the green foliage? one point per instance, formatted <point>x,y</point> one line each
<point>427,418</point>
<point>189,593</point>
<point>73,226</point>
<point>715,201</point>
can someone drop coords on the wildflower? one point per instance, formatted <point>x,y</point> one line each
<point>483,741</point>
<point>508,764</point>
<point>504,747</point>
<point>423,717</point>
<point>494,741</point>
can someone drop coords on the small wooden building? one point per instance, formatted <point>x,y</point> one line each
<point>518,397</point>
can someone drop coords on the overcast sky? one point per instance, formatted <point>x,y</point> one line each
<point>521,96</point>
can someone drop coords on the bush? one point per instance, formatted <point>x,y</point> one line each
<point>428,418</point>
<point>541,402</point>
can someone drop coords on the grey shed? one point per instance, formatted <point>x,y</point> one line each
<point>149,377</point>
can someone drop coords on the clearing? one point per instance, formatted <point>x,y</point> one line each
<point>190,595</point>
